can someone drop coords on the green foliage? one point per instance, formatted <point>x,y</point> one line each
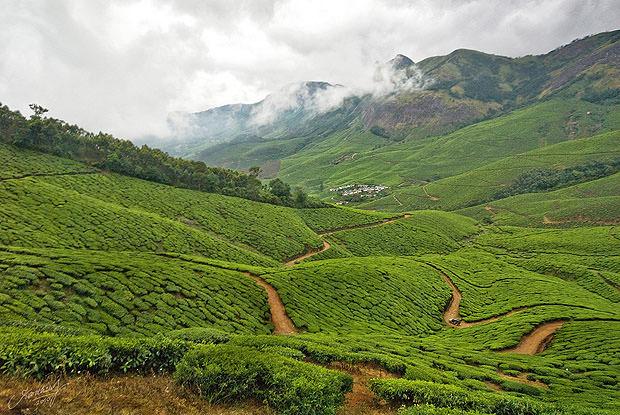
<point>126,293</point>
<point>592,203</point>
<point>231,373</point>
<point>433,410</point>
<point>199,335</point>
<point>104,151</point>
<point>274,231</point>
<point>546,179</point>
<point>38,214</point>
<point>479,185</point>
<point>422,232</point>
<point>362,295</point>
<point>27,353</point>
<point>449,396</point>
<point>334,218</point>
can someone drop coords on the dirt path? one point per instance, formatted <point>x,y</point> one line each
<point>431,197</point>
<point>361,400</point>
<point>532,343</point>
<point>308,254</point>
<point>326,245</point>
<point>281,322</point>
<point>538,339</point>
<point>397,201</point>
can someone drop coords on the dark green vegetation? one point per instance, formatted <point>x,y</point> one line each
<point>230,373</point>
<point>107,273</point>
<point>106,152</point>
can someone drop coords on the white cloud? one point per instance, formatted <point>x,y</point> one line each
<point>122,65</point>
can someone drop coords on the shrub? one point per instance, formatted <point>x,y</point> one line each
<point>422,392</point>
<point>433,410</point>
<point>227,373</point>
<point>200,335</point>
<point>26,353</point>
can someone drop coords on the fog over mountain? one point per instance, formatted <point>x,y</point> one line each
<point>131,63</point>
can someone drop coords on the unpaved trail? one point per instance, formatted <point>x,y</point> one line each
<point>361,400</point>
<point>538,339</point>
<point>532,343</point>
<point>522,378</point>
<point>308,254</point>
<point>326,245</point>
<point>431,197</point>
<point>281,321</point>
<point>397,201</point>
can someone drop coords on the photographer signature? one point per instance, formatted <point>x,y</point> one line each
<point>44,395</point>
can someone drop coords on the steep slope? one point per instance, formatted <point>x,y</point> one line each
<point>596,202</point>
<point>335,161</point>
<point>486,183</point>
<point>430,98</point>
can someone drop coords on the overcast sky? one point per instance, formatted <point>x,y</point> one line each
<point>121,66</point>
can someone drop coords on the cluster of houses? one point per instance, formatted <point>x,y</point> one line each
<point>361,190</point>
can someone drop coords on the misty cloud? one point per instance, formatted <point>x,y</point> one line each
<point>124,65</point>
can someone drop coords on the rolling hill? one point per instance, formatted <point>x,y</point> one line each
<point>486,282</point>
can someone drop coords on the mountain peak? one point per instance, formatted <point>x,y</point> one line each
<point>400,62</point>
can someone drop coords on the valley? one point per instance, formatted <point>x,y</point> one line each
<point>457,251</point>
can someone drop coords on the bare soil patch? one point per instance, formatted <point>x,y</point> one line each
<point>281,321</point>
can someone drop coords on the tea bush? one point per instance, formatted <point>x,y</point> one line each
<point>230,373</point>
<point>25,353</point>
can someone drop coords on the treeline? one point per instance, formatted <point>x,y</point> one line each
<point>541,180</point>
<point>106,152</point>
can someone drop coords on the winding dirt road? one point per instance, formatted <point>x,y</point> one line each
<point>538,339</point>
<point>307,255</point>
<point>281,321</point>
<point>532,343</point>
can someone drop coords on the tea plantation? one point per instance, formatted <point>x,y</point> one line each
<point>112,276</point>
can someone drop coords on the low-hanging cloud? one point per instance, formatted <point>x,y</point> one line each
<point>123,65</point>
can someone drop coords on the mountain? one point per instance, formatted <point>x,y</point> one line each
<point>410,101</point>
<point>113,283</point>
<point>481,276</point>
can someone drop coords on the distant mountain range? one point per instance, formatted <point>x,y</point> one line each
<point>410,103</point>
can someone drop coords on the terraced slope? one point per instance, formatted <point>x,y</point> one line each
<point>341,159</point>
<point>481,184</point>
<point>596,202</point>
<point>127,293</point>
<point>159,271</point>
<point>418,233</point>
<point>273,231</point>
<point>373,295</point>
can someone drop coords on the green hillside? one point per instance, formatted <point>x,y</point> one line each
<point>485,280</point>
<point>483,184</point>
<point>418,161</point>
<point>596,202</point>
<point>117,277</point>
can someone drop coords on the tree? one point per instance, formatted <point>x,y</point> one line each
<point>38,110</point>
<point>254,171</point>
<point>279,188</point>
<point>300,198</point>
